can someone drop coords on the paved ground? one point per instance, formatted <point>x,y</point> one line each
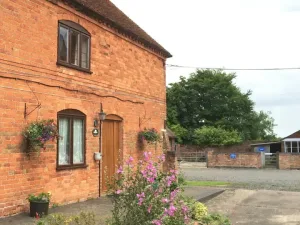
<point>258,207</point>
<point>271,179</point>
<point>102,206</point>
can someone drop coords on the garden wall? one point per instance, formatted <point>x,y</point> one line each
<point>288,161</point>
<point>242,160</point>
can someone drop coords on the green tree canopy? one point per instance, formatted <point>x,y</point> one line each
<point>210,98</point>
<point>216,136</point>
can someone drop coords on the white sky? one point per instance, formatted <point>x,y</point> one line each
<point>236,34</point>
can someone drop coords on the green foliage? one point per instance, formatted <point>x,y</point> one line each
<point>199,211</point>
<point>215,219</point>
<point>210,98</point>
<point>179,131</point>
<point>181,179</point>
<point>84,218</point>
<point>212,136</point>
<point>42,197</point>
<point>150,135</point>
<point>38,133</point>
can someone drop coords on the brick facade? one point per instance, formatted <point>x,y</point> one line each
<point>242,160</point>
<point>127,78</point>
<point>288,161</point>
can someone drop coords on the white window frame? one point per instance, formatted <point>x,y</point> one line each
<point>291,140</point>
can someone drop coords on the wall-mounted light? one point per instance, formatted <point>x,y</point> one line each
<point>96,123</point>
<point>102,115</point>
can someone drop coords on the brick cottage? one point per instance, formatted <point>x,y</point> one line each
<point>62,59</point>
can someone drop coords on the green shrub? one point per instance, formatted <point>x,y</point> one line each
<point>84,218</point>
<point>199,211</point>
<point>215,219</point>
<point>212,136</point>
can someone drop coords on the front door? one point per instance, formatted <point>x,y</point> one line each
<point>111,137</point>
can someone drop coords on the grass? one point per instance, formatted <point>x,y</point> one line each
<point>207,183</point>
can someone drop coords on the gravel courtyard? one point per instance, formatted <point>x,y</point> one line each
<point>272,179</point>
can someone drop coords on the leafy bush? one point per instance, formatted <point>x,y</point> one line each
<point>199,211</point>
<point>143,194</point>
<point>38,133</point>
<point>42,197</point>
<point>84,218</point>
<point>180,132</point>
<point>212,136</point>
<point>215,219</point>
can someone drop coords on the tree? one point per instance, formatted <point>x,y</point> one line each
<point>216,136</point>
<point>210,98</point>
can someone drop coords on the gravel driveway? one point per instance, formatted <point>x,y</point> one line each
<point>272,179</point>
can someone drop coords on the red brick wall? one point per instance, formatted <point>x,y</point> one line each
<point>288,161</point>
<point>28,53</point>
<point>243,159</point>
<point>189,151</point>
<point>245,147</point>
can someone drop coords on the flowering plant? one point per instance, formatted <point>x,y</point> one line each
<point>143,194</point>
<point>150,135</point>
<point>38,133</point>
<point>42,197</point>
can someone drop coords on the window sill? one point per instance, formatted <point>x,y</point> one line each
<point>59,168</point>
<point>74,67</point>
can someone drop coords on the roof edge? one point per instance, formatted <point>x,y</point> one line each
<point>94,15</point>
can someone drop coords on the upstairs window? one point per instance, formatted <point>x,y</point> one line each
<point>74,46</point>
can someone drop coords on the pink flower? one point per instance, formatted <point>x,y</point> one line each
<point>120,170</point>
<point>161,158</point>
<point>147,156</point>
<point>149,208</point>
<point>118,192</point>
<point>141,198</point>
<point>157,222</point>
<point>129,160</point>
<point>184,209</point>
<point>171,210</point>
<point>173,194</point>
<point>165,200</point>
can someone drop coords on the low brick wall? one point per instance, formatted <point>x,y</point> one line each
<point>288,161</point>
<point>242,160</point>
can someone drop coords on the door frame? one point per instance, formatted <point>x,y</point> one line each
<point>111,117</point>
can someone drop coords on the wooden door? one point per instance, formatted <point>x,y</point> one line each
<point>111,137</point>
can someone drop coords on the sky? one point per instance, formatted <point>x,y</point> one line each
<point>232,34</point>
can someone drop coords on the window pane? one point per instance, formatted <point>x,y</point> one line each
<point>64,142</point>
<point>78,141</point>
<point>74,48</point>
<point>85,45</point>
<point>294,144</point>
<point>63,43</point>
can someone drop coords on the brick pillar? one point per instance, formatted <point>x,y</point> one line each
<point>209,155</point>
<point>170,162</point>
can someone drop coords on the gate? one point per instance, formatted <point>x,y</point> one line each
<point>270,160</point>
<point>199,156</point>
